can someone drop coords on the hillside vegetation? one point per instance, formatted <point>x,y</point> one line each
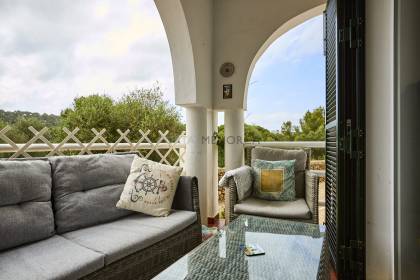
<point>145,109</point>
<point>139,109</point>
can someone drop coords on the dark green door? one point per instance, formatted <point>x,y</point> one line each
<point>345,130</point>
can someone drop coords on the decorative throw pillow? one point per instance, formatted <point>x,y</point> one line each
<point>274,180</point>
<point>150,187</point>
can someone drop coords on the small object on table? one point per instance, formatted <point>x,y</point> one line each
<point>253,250</point>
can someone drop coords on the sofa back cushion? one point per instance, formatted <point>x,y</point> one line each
<point>299,156</point>
<point>25,202</point>
<point>87,188</point>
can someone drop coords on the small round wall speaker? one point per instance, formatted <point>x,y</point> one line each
<point>227,69</point>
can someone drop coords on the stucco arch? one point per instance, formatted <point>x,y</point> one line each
<point>290,24</point>
<point>173,18</point>
<point>188,25</point>
<point>243,29</point>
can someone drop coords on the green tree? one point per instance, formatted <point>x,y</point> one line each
<point>312,126</point>
<point>145,109</point>
<point>2,123</point>
<point>94,111</point>
<point>11,117</point>
<point>139,109</point>
<point>20,132</point>
<point>253,133</point>
<point>287,132</point>
<point>221,145</point>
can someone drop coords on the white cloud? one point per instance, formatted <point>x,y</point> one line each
<point>52,51</point>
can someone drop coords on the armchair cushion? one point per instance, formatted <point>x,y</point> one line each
<point>297,209</point>
<point>299,156</point>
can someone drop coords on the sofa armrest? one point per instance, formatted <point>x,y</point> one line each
<point>231,198</point>
<point>311,193</point>
<point>186,195</point>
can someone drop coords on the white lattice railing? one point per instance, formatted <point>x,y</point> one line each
<point>144,146</point>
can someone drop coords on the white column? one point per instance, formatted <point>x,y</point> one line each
<point>234,138</point>
<point>212,180</point>
<point>380,160</point>
<point>196,153</point>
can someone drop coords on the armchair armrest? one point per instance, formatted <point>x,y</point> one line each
<point>186,195</point>
<point>311,193</point>
<point>238,186</point>
<point>231,198</point>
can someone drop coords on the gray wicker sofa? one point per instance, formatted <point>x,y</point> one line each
<point>58,220</point>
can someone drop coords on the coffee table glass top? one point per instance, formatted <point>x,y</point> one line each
<point>292,251</point>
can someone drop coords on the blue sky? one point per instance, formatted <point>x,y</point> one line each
<point>291,75</point>
<point>63,54</point>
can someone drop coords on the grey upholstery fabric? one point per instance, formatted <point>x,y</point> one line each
<point>130,234</point>
<point>53,258</point>
<point>297,209</point>
<point>311,196</point>
<point>23,181</point>
<point>25,202</point>
<point>279,154</point>
<point>183,199</point>
<point>28,222</point>
<point>243,177</point>
<point>87,188</point>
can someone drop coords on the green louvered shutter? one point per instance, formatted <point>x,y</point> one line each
<point>331,180</point>
<point>345,141</point>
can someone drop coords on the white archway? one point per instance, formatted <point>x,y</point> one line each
<point>202,35</point>
<point>188,26</point>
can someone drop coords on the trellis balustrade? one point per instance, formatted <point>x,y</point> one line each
<point>162,148</point>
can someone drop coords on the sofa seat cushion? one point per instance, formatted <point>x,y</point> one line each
<point>86,189</point>
<point>297,209</point>
<point>26,213</point>
<point>52,258</point>
<point>130,234</point>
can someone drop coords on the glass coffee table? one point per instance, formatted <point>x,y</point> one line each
<point>292,251</point>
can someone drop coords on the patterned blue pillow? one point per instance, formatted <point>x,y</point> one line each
<point>274,180</point>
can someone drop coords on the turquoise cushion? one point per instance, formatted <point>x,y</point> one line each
<point>274,180</point>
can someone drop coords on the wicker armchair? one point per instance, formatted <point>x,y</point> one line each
<point>310,195</point>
